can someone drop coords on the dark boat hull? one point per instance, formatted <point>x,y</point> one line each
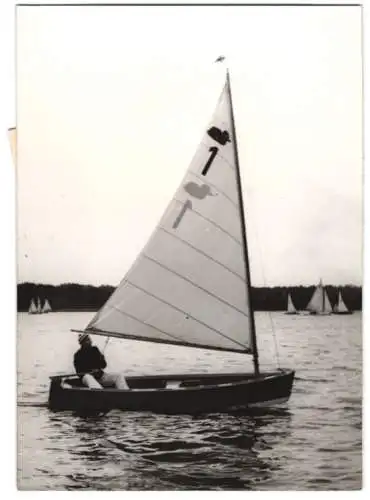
<point>343,312</point>
<point>175,393</point>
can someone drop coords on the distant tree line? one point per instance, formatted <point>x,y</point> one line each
<point>74,297</point>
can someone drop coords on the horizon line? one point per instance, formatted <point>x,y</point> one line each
<point>252,285</point>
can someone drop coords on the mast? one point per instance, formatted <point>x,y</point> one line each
<point>244,233</point>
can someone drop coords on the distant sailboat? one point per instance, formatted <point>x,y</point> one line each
<point>36,308</point>
<point>319,303</point>
<point>32,308</point>
<point>46,308</point>
<point>290,309</point>
<point>340,307</point>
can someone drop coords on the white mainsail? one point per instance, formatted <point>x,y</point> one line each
<point>32,309</point>
<point>188,285</point>
<point>38,307</point>
<point>46,307</point>
<point>319,303</point>
<point>291,309</point>
<point>341,306</point>
<point>327,306</point>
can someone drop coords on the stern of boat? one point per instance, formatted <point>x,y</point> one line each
<point>273,389</point>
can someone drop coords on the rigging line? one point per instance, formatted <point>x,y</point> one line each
<point>210,221</point>
<point>201,252</point>
<point>269,312</point>
<point>189,315</point>
<point>105,345</point>
<point>197,286</point>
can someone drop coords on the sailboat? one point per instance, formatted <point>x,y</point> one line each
<point>36,308</point>
<point>46,308</point>
<point>319,303</point>
<point>290,309</point>
<point>340,307</point>
<point>32,308</point>
<point>190,286</point>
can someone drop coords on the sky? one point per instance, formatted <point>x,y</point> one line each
<point>113,101</point>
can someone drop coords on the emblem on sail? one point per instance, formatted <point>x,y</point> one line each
<point>198,191</point>
<point>188,285</point>
<point>220,136</point>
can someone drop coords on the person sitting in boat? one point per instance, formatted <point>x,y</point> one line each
<point>89,363</point>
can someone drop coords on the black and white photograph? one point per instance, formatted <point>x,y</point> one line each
<point>189,245</point>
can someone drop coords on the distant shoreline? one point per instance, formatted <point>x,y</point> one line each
<point>72,297</point>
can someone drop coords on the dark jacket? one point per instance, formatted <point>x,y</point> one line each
<point>88,359</point>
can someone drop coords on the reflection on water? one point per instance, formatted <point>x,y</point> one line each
<point>315,443</point>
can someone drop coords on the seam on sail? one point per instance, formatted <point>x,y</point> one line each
<point>215,187</point>
<point>201,252</point>
<point>190,316</point>
<point>102,313</point>
<point>144,323</point>
<point>209,220</point>
<point>197,286</point>
<point>98,331</point>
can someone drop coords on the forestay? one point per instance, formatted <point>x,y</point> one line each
<point>188,285</point>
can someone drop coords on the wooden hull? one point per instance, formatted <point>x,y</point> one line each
<point>175,393</point>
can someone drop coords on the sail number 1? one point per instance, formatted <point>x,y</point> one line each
<point>214,152</point>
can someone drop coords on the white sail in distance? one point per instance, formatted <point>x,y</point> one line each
<point>46,307</point>
<point>32,309</point>
<point>291,309</point>
<point>327,305</point>
<point>341,306</point>
<point>319,302</point>
<point>189,284</point>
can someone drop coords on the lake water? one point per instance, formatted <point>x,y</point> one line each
<point>314,443</point>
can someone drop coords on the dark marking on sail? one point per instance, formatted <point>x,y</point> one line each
<point>222,137</point>
<point>199,192</point>
<point>212,156</point>
<point>178,219</point>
